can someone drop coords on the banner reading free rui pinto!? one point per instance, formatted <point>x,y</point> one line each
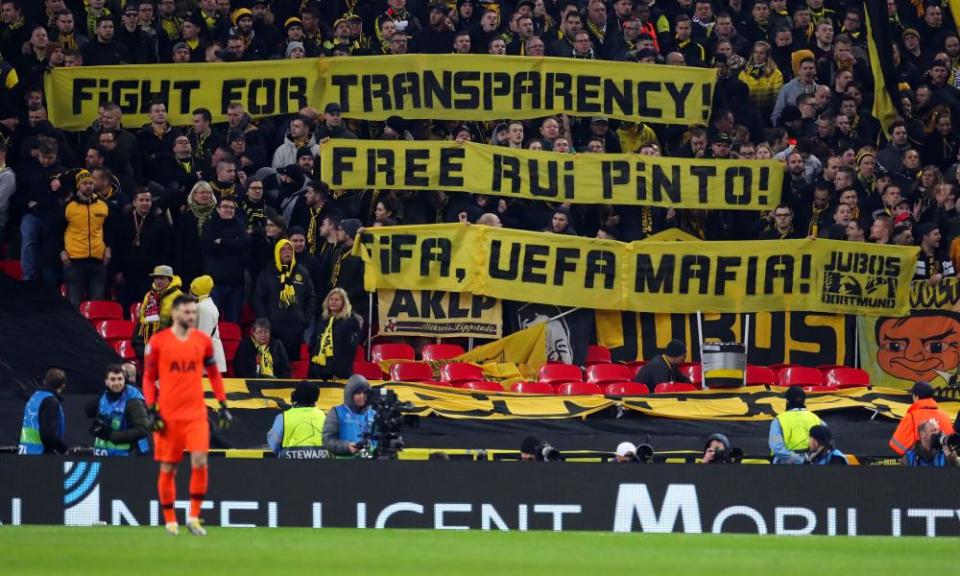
<point>786,275</point>
<point>629,179</point>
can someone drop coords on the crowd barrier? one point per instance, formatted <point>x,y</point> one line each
<point>490,496</point>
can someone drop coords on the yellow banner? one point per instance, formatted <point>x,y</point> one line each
<point>484,87</point>
<point>812,274</point>
<point>441,314</point>
<point>266,88</point>
<point>537,175</point>
<point>442,87</point>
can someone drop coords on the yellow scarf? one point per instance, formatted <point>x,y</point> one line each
<point>264,359</point>
<point>325,350</point>
<point>312,230</point>
<point>288,294</point>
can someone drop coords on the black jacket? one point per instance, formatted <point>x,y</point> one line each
<point>288,324</point>
<point>156,153</point>
<point>135,414</point>
<point>225,261</point>
<point>136,260</point>
<point>347,273</point>
<point>347,334</point>
<point>96,53</point>
<point>245,362</point>
<point>658,371</point>
<point>50,426</point>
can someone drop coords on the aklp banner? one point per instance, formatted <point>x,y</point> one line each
<point>804,275</point>
<point>630,179</point>
<point>924,345</point>
<point>439,314</point>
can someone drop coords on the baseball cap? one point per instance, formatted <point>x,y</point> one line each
<point>626,449</point>
<point>922,390</point>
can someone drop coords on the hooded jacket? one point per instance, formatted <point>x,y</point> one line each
<point>922,410</point>
<point>288,320</point>
<point>331,427</point>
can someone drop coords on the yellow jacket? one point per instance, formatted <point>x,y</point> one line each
<point>84,235</point>
<point>763,90</point>
<point>149,324</point>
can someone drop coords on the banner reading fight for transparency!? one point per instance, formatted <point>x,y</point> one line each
<point>265,88</point>
<point>442,87</point>
<point>787,275</point>
<point>538,175</point>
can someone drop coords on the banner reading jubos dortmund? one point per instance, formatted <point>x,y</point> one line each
<point>537,175</point>
<point>812,275</point>
<point>443,87</point>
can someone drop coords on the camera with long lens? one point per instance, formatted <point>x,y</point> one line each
<point>727,456</point>
<point>99,424</point>
<point>547,453</point>
<point>644,453</point>
<point>382,440</point>
<point>939,440</point>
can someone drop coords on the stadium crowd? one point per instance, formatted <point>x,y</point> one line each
<point>237,212</point>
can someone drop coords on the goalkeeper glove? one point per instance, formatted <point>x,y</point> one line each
<point>154,421</point>
<point>224,417</point>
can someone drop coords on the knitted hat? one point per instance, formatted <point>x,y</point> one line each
<point>293,46</point>
<point>795,396</point>
<point>676,348</point>
<point>821,434</point>
<point>81,176</point>
<point>923,228</point>
<point>350,226</point>
<point>201,286</point>
<point>922,390</point>
<point>239,13</point>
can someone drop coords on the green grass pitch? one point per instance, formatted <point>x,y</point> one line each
<point>104,551</point>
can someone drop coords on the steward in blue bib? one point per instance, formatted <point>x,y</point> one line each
<point>43,420</point>
<point>120,426</point>
<point>346,423</point>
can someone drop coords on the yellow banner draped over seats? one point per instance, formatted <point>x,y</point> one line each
<point>442,87</point>
<point>626,179</point>
<point>811,274</point>
<point>754,403</point>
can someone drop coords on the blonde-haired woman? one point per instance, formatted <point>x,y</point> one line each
<point>331,354</point>
<point>189,224</point>
<point>762,77</point>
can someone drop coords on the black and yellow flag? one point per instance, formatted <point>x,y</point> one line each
<point>880,39</point>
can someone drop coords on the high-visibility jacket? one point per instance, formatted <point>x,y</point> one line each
<point>919,412</point>
<point>302,433</point>
<point>30,442</point>
<point>84,236</point>
<point>796,425</point>
<point>114,412</point>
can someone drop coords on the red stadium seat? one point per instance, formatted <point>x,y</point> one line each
<point>799,376</point>
<point>457,373</point>
<point>360,354</point>
<point>674,387</point>
<point>433,352</point>
<point>229,331</point>
<point>369,370</point>
<point>760,375</point>
<point>778,367</point>
<point>820,388</point>
<point>125,349</point>
<point>482,385</point>
<point>626,389</point>
<point>12,269</point>
<point>304,351</point>
<point>230,349</point>
<point>392,352</point>
<point>827,367</point>
<point>115,330</point>
<point>555,374</point>
<point>693,372</point>
<point>847,378</point>
<point>578,389</point>
<point>532,388</point>
<point>95,310</point>
<point>598,355</point>
<point>635,366</point>
<point>135,311</point>
<point>299,369</point>
<point>603,374</point>
<point>411,372</point>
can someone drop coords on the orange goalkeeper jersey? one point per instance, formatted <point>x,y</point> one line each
<point>176,366</point>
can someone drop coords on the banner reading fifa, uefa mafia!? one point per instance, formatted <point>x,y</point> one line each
<point>538,175</point>
<point>809,275</point>
<point>924,345</point>
<point>439,314</point>
<point>442,87</point>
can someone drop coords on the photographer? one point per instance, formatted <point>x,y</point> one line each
<point>298,431</point>
<point>924,408</point>
<point>822,451</point>
<point>120,424</point>
<point>716,450</point>
<point>626,452</point>
<point>533,450</point>
<point>345,424</point>
<point>933,449</point>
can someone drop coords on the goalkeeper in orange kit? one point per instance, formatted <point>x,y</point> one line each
<point>175,360</point>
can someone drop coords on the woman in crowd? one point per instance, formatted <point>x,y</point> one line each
<point>331,355</point>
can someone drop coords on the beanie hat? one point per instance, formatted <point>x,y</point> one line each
<point>821,434</point>
<point>292,45</point>
<point>722,438</point>
<point>351,226</point>
<point>202,286</point>
<point>529,445</point>
<point>81,176</point>
<point>795,397</point>
<point>922,390</point>
<point>676,348</point>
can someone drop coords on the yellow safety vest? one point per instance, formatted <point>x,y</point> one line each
<point>796,425</point>
<point>303,428</point>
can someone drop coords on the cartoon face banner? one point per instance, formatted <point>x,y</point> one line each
<point>922,346</point>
